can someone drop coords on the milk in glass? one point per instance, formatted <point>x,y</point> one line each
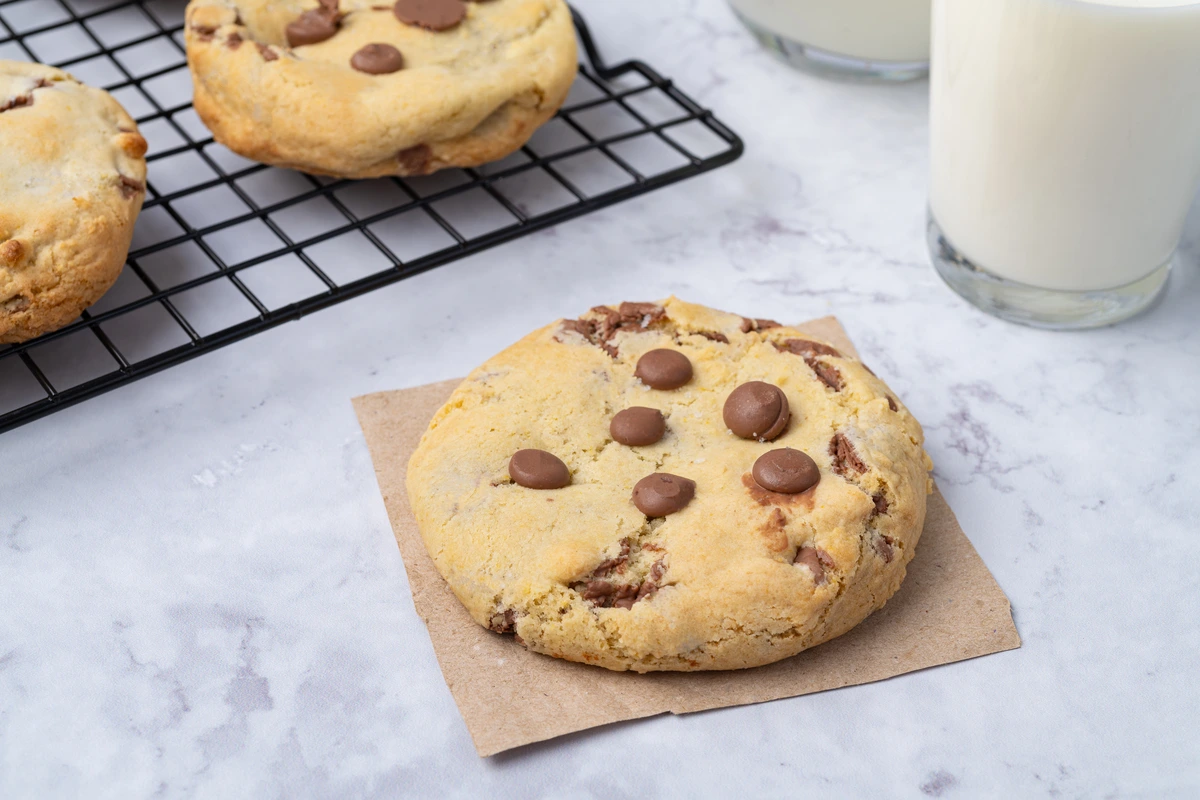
<point>1065,136</point>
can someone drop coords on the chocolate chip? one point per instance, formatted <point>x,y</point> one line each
<point>537,469</point>
<point>713,336</point>
<point>816,560</point>
<point>661,494</point>
<point>881,504</point>
<point>892,404</point>
<point>267,52</point>
<point>749,324</point>
<point>415,160</point>
<point>313,26</point>
<point>664,369</point>
<point>130,188</point>
<point>377,59</point>
<point>786,471</point>
<point>757,410</point>
<point>845,459</point>
<point>638,426</point>
<point>203,32</point>
<point>433,15</point>
<point>233,41</point>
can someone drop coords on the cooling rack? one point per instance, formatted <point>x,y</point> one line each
<point>226,248</point>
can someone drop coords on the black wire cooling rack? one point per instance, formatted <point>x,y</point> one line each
<point>226,247</point>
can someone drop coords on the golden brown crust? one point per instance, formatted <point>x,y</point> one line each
<point>72,178</point>
<point>466,96</point>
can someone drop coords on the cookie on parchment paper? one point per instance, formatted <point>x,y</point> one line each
<point>669,487</point>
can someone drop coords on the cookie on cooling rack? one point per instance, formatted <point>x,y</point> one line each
<point>72,181</point>
<point>364,88</point>
<point>669,487</point>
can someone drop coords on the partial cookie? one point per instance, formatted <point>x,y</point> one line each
<point>669,487</point>
<point>72,181</point>
<point>362,89</point>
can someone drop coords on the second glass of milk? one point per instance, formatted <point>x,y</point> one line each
<point>1065,153</point>
<point>886,39</point>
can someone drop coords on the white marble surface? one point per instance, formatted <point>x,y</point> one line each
<point>201,595</point>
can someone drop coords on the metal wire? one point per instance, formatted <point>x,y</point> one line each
<point>627,131</point>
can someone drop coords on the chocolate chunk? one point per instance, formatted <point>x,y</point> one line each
<point>233,41</point>
<point>651,584</point>
<point>892,404</point>
<point>630,317</point>
<point>816,560</point>
<point>881,504</point>
<point>809,351</point>
<point>828,374</point>
<point>433,15</point>
<point>20,101</point>
<point>617,563</point>
<point>267,52</point>
<point>845,459</point>
<point>664,369</point>
<point>203,32</point>
<point>638,426</point>
<point>313,26</point>
<point>584,327</point>
<point>749,324</point>
<point>786,471</point>
<point>713,336</point>
<point>503,622</point>
<point>644,314</point>
<point>415,160</point>
<point>803,347</point>
<point>597,590</point>
<point>131,188</point>
<point>661,494</point>
<point>757,410</point>
<point>625,596</point>
<point>14,304</point>
<point>537,469</point>
<point>377,59</point>
<point>884,547</point>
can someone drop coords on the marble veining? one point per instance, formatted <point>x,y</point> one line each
<point>202,596</point>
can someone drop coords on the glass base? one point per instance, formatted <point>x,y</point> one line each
<point>1040,308</point>
<point>833,65</point>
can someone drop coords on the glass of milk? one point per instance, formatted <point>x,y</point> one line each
<point>1065,153</point>
<point>884,39</point>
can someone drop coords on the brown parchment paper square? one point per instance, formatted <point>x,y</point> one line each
<point>948,609</point>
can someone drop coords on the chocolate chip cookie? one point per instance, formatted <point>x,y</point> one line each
<point>662,486</point>
<point>72,181</point>
<point>364,88</point>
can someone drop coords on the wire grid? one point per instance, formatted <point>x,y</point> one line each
<point>226,247</point>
